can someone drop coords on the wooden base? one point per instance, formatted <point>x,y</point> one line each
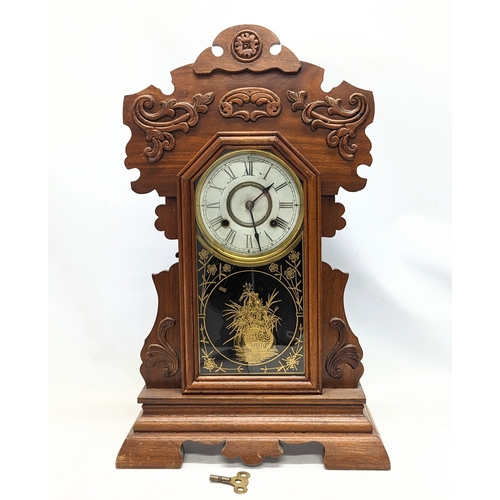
<point>254,427</point>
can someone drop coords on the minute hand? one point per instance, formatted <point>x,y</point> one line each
<point>264,191</point>
<point>257,237</point>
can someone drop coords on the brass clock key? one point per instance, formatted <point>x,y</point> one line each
<point>240,481</point>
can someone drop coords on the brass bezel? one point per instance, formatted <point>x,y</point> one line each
<point>236,258</point>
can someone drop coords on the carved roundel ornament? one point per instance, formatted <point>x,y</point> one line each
<point>246,46</point>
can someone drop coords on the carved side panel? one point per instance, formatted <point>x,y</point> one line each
<point>341,350</point>
<point>160,354</point>
<point>331,216</point>
<point>167,218</point>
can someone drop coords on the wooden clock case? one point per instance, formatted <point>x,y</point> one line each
<point>249,98</point>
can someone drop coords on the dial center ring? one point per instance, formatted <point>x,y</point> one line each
<point>240,203</point>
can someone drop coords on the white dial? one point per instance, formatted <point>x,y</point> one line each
<point>249,206</point>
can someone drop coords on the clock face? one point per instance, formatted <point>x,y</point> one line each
<point>249,207</point>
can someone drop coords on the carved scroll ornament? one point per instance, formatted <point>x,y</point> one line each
<point>268,102</point>
<point>342,352</point>
<point>163,351</point>
<point>159,125</point>
<point>343,123</point>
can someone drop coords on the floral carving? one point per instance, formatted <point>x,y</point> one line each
<point>171,116</point>
<point>246,46</point>
<point>163,351</point>
<point>342,352</point>
<point>343,123</point>
<point>268,102</point>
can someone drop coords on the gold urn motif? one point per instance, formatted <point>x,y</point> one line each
<point>252,326</point>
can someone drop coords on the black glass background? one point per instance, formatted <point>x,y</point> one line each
<point>250,320</point>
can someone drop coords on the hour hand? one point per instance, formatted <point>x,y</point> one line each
<point>264,191</point>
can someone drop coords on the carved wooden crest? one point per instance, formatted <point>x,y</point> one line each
<point>279,93</point>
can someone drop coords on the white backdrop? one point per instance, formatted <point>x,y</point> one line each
<point>103,247</point>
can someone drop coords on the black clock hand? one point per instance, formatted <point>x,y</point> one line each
<point>257,237</point>
<point>264,191</point>
<point>249,205</point>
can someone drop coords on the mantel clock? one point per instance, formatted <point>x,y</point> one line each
<point>251,347</point>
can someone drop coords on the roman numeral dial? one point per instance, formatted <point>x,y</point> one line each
<point>249,207</point>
